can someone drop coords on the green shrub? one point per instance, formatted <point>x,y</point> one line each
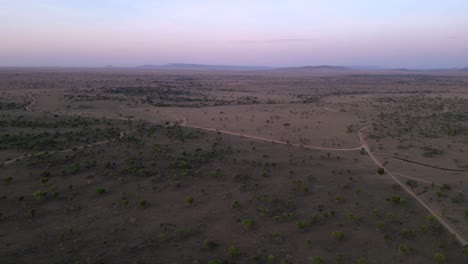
<point>337,235</point>
<point>209,244</point>
<point>406,233</point>
<point>100,191</point>
<point>40,194</point>
<point>440,258</point>
<point>301,224</point>
<point>380,225</point>
<point>405,249</point>
<point>163,236</point>
<point>270,258</point>
<point>32,212</point>
<point>317,260</point>
<point>247,223</point>
<point>361,261</point>
<point>431,219</point>
<point>215,261</point>
<point>431,152</point>
<point>44,180</point>
<point>396,199</point>
<point>176,184</point>
<point>8,180</point>
<point>354,218</point>
<point>188,200</point>
<point>339,259</point>
<point>339,198</point>
<point>412,184</point>
<point>233,251</point>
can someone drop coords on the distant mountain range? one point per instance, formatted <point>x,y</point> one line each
<point>315,68</point>
<point>432,70</point>
<point>207,67</point>
<point>184,66</point>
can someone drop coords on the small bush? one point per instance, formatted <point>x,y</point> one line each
<point>405,249</point>
<point>215,261</point>
<point>440,258</point>
<point>380,225</point>
<point>247,223</point>
<point>361,261</point>
<point>176,184</point>
<point>354,218</point>
<point>412,184</point>
<point>235,204</point>
<point>339,198</point>
<point>317,260</point>
<point>396,199</point>
<point>100,191</point>
<point>40,194</point>
<point>209,244</point>
<point>431,152</point>
<point>8,180</point>
<point>233,251</point>
<point>302,224</point>
<point>406,233</point>
<point>337,235</point>
<point>188,200</point>
<point>44,180</point>
<point>163,236</point>
<point>32,212</point>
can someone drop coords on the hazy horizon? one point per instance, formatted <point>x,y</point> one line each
<point>433,34</point>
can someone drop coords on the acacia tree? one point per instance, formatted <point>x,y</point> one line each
<point>412,184</point>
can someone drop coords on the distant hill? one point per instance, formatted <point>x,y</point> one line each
<point>316,68</point>
<point>184,66</point>
<point>303,69</point>
<point>450,69</point>
<point>366,67</point>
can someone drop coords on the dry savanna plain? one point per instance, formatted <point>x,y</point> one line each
<point>212,167</point>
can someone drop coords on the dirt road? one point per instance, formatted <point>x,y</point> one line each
<point>441,220</point>
<point>183,123</point>
<point>6,163</point>
<point>365,146</point>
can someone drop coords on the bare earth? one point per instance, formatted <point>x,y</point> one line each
<point>147,166</point>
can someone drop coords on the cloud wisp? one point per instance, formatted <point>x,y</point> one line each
<point>278,40</point>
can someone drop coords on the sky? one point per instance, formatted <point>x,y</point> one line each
<point>90,33</point>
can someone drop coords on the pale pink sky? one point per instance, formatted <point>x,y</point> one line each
<point>400,33</point>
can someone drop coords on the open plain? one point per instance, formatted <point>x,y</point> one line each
<point>274,166</point>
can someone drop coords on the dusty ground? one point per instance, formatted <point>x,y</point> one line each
<point>127,167</point>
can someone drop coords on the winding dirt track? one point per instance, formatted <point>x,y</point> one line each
<point>428,182</point>
<point>28,108</point>
<point>6,163</point>
<point>121,135</point>
<point>33,101</point>
<point>420,163</point>
<point>183,123</point>
<point>441,220</point>
<point>365,146</point>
